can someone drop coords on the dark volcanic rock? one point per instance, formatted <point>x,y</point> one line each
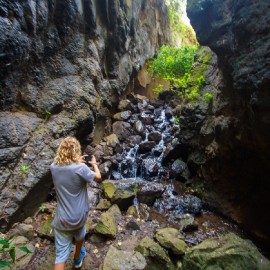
<point>234,148</point>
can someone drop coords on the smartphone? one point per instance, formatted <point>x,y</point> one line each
<point>87,159</point>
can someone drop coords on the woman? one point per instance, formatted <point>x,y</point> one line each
<point>70,176</point>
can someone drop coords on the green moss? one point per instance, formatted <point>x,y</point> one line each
<point>108,188</point>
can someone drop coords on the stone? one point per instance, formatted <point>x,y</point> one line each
<point>106,225</point>
<point>133,225</point>
<point>225,252</point>
<point>171,239</point>
<point>124,105</point>
<point>45,229</point>
<point>155,136</point>
<point>103,205</point>
<point>156,256</point>
<point>111,140</point>
<point>146,147</point>
<point>141,211</point>
<point>139,127</point>
<point>122,130</point>
<point>114,209</point>
<point>22,229</point>
<point>123,260</point>
<point>122,116</point>
<point>147,194</point>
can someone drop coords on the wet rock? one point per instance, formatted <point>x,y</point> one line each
<point>146,147</point>
<point>106,225</point>
<point>141,211</point>
<point>128,260</point>
<point>147,118</point>
<point>134,139</point>
<point>133,225</point>
<point>156,256</point>
<point>139,127</point>
<point>149,192</point>
<point>179,205</point>
<point>171,238</point>
<point>228,251</point>
<point>124,105</point>
<point>169,112</point>
<point>179,170</point>
<point>122,130</point>
<point>105,169</point>
<point>155,136</point>
<point>122,116</point>
<point>150,167</point>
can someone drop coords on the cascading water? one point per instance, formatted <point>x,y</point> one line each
<point>144,160</point>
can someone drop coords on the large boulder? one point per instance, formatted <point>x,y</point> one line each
<point>225,252</point>
<point>171,239</point>
<point>156,256</point>
<point>106,225</point>
<point>123,260</point>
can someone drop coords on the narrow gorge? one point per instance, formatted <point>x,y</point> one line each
<point>185,173</point>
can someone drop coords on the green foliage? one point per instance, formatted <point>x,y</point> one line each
<point>208,97</point>
<point>10,249</point>
<point>173,62</point>
<point>176,119</point>
<point>42,208</point>
<point>179,29</point>
<point>24,169</point>
<point>158,89</point>
<point>201,81</point>
<point>47,115</point>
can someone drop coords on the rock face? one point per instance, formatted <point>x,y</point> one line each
<point>61,63</point>
<point>234,148</point>
<point>228,252</point>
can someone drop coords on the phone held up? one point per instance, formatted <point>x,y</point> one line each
<point>87,159</point>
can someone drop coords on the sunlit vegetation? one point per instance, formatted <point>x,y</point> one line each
<point>181,31</point>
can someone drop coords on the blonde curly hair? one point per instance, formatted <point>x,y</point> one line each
<point>69,151</point>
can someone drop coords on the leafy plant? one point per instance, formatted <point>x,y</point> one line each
<point>24,169</point>
<point>201,81</point>
<point>9,248</point>
<point>176,119</point>
<point>42,208</point>
<point>47,115</point>
<point>173,62</point>
<point>208,97</point>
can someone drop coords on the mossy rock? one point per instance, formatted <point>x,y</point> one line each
<point>115,210</point>
<point>156,257</point>
<point>118,259</point>
<point>108,188</point>
<point>171,238</point>
<point>225,252</point>
<point>106,225</point>
<point>103,205</point>
<point>46,229</point>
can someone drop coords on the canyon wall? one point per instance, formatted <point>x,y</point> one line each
<point>234,145</point>
<point>63,66</point>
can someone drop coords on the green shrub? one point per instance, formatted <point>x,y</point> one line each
<point>24,169</point>
<point>158,89</point>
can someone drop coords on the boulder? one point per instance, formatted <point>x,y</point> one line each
<point>103,205</point>
<point>171,239</point>
<point>106,225</point>
<point>141,211</point>
<point>123,260</point>
<point>122,116</point>
<point>114,209</point>
<point>111,140</point>
<point>124,105</point>
<point>156,257</point>
<point>225,252</point>
<point>122,130</point>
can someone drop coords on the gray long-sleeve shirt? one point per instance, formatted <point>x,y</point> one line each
<point>71,193</point>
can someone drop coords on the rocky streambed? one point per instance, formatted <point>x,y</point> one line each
<point>148,214</point>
